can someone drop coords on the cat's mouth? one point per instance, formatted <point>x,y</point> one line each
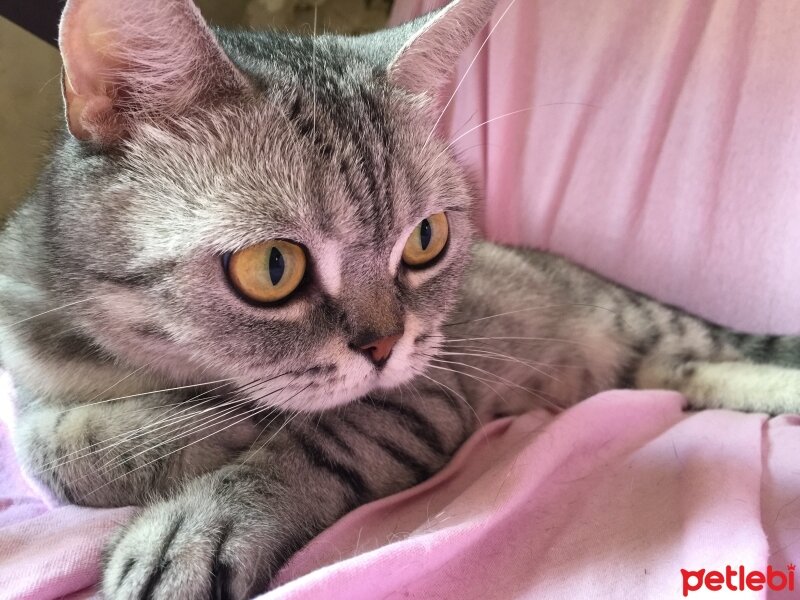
<point>339,373</point>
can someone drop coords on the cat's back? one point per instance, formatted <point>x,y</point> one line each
<point>504,278</point>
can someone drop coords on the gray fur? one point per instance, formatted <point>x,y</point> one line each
<point>145,380</point>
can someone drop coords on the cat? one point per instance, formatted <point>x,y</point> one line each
<point>247,295</point>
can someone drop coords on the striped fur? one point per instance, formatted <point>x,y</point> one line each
<point>244,431</point>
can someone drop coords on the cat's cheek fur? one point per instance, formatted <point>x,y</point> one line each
<point>408,356</point>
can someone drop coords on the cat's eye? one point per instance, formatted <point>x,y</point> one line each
<point>267,272</point>
<point>427,241</point>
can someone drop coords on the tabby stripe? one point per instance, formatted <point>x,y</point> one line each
<point>322,426</point>
<point>620,302</point>
<point>739,339</point>
<point>144,278</point>
<point>220,572</point>
<point>321,459</point>
<point>715,335</point>
<point>461,408</point>
<point>163,564</point>
<point>126,569</point>
<point>421,471</point>
<point>61,484</point>
<point>764,347</point>
<point>413,421</point>
<point>641,349</point>
<point>676,323</point>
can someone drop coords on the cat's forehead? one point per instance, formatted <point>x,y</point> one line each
<point>273,169</point>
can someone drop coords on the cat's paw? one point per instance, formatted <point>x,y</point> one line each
<point>194,546</point>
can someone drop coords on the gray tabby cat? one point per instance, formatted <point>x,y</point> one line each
<point>241,231</point>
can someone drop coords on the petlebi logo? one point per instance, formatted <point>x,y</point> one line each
<point>739,579</point>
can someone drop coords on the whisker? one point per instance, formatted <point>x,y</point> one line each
<point>458,138</point>
<point>170,419</point>
<point>149,437</point>
<point>498,380</point>
<point>191,413</point>
<point>62,307</point>
<point>447,387</point>
<point>128,376</point>
<point>485,382</point>
<point>518,338</point>
<point>506,358</point>
<point>275,414</point>
<point>104,444</point>
<point>148,463</point>
<point>455,140</point>
<point>285,423</point>
<point>314,71</point>
<point>530,308</point>
<point>469,68</point>
<point>214,419</point>
<point>217,418</point>
<point>176,412</point>
<point>172,389</point>
<point>483,347</point>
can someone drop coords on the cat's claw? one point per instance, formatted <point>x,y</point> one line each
<point>175,550</point>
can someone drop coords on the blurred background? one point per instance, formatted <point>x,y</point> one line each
<point>30,95</point>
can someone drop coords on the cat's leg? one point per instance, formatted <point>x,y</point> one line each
<point>124,451</point>
<point>732,385</point>
<point>712,366</point>
<point>226,533</point>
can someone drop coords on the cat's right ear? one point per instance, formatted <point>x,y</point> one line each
<point>129,60</point>
<point>428,56</point>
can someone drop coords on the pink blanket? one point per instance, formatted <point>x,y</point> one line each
<point>658,143</point>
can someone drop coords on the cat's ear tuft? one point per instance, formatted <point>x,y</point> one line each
<point>425,62</point>
<point>138,59</point>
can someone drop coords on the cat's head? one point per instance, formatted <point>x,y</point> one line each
<point>261,206</point>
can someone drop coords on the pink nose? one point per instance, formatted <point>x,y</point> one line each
<point>379,350</point>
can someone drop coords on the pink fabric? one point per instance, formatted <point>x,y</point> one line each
<point>611,499</point>
<point>658,144</point>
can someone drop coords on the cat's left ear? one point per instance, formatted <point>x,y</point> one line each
<point>425,61</point>
<point>129,60</point>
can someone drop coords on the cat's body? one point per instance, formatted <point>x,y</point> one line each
<point>144,378</point>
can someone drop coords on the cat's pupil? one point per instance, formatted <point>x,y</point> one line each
<point>276,266</point>
<point>425,234</point>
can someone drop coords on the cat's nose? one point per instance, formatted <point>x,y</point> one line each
<point>379,350</point>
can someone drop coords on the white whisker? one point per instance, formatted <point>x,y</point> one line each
<point>182,387</point>
<point>314,71</point>
<point>50,311</point>
<point>531,308</point>
<point>469,68</point>
<point>447,387</point>
<point>517,338</point>
<point>148,463</point>
<point>503,357</point>
<point>497,379</point>
<point>272,437</point>
<point>172,417</point>
<point>220,417</point>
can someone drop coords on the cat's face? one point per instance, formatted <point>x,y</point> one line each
<point>337,166</point>
<point>254,178</point>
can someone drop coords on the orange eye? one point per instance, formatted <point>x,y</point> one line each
<point>267,272</point>
<point>427,241</point>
